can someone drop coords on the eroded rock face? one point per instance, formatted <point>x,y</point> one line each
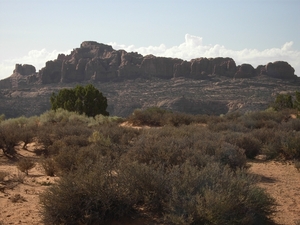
<point>51,73</point>
<point>101,63</point>
<point>245,71</point>
<point>281,70</point>
<point>201,67</point>
<point>24,69</point>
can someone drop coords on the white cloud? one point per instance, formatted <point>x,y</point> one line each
<point>37,58</point>
<point>191,48</point>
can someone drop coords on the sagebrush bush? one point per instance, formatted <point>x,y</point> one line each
<point>246,141</point>
<point>25,164</point>
<point>49,166</point>
<point>270,140</point>
<point>291,125</point>
<point>291,145</point>
<point>93,194</point>
<point>153,116</point>
<point>10,136</point>
<point>118,134</point>
<point>231,155</point>
<point>213,195</point>
<point>187,173</point>
<point>65,160</point>
<point>233,126</point>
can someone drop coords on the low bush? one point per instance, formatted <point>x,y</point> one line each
<point>153,116</point>
<point>89,195</point>
<point>25,164</point>
<point>231,155</point>
<point>247,141</point>
<point>233,126</point>
<point>49,166</point>
<point>216,195</point>
<point>291,145</point>
<point>291,125</point>
<point>10,136</point>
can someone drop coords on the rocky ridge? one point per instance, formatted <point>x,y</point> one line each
<point>130,81</point>
<point>101,63</point>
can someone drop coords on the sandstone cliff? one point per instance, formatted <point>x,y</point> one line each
<point>101,63</point>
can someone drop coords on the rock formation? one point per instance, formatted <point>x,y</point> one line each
<point>280,69</point>
<point>100,63</point>
<point>245,71</point>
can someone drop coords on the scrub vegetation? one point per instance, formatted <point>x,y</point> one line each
<point>185,169</point>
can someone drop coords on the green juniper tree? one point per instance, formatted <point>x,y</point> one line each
<point>84,100</point>
<point>283,101</point>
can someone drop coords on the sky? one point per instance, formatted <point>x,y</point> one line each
<point>249,31</point>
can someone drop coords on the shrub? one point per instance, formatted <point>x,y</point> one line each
<point>153,116</point>
<point>2,117</point>
<point>17,198</point>
<point>117,134</point>
<point>228,125</point>
<point>54,136</point>
<point>261,119</point>
<point>216,195</point>
<point>149,183</point>
<point>25,164</point>
<point>291,145</point>
<point>248,142</point>
<point>270,140</point>
<point>291,125</point>
<point>49,166</point>
<point>91,195</point>
<point>83,100</point>
<point>283,101</point>
<point>65,160</point>
<point>27,128</point>
<point>10,136</point>
<point>231,155</point>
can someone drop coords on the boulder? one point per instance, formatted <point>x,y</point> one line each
<point>261,70</point>
<point>280,69</point>
<point>245,71</point>
<point>222,66</point>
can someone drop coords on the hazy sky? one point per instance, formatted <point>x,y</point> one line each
<point>249,31</point>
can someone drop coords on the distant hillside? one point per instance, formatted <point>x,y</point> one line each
<point>130,81</point>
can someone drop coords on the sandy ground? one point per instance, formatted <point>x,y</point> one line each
<point>19,201</point>
<point>282,181</point>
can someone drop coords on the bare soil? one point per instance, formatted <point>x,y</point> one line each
<point>19,194</point>
<point>282,181</point>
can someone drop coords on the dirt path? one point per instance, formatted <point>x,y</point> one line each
<point>282,181</point>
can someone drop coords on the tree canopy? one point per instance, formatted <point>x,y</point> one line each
<point>86,100</point>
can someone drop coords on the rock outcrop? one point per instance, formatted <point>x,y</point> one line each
<point>245,71</point>
<point>101,63</point>
<point>281,70</point>
<point>24,69</point>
